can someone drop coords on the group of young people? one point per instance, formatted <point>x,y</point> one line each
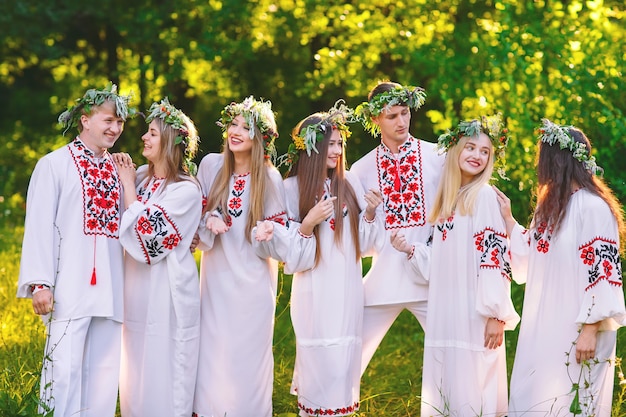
<point>107,259</point>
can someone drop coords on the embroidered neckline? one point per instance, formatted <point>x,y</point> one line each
<point>401,183</point>
<point>101,190</point>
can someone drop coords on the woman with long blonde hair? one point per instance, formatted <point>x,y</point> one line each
<point>237,286</point>
<point>161,329</point>
<point>469,300</point>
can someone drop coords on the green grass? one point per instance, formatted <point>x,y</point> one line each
<point>390,386</point>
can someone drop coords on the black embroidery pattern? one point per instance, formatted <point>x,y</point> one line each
<point>602,258</point>
<point>157,233</point>
<point>101,191</point>
<point>493,251</point>
<point>403,207</point>
<point>444,226</point>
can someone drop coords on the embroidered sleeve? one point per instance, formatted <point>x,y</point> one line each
<point>601,259</point>
<point>156,233</point>
<point>493,251</point>
<point>280,218</point>
<point>599,271</point>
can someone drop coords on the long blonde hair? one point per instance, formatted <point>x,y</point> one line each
<point>450,195</point>
<point>260,185</point>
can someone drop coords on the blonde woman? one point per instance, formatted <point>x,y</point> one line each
<point>469,302</point>
<point>238,287</point>
<point>161,330</point>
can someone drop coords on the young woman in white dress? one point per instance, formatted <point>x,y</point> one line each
<point>469,299</point>
<point>569,258</point>
<point>161,329</point>
<point>238,283</point>
<point>331,222</point>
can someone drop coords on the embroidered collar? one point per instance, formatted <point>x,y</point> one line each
<point>101,190</point>
<point>404,148</point>
<point>401,183</point>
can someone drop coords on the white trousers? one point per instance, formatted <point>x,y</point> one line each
<point>377,321</point>
<point>81,366</point>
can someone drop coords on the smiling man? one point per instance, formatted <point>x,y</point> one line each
<point>71,262</point>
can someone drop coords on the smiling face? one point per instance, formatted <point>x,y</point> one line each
<point>474,157</point>
<point>335,150</point>
<point>102,128</point>
<point>152,142</point>
<point>238,135</point>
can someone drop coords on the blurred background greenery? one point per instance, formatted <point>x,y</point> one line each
<point>527,59</point>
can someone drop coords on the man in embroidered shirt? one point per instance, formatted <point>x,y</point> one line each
<point>71,262</point>
<point>406,171</point>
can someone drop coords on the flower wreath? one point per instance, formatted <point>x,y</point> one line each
<point>180,122</point>
<point>93,97</point>
<point>552,133</point>
<point>413,97</point>
<point>256,113</point>
<point>492,126</point>
<point>336,118</point>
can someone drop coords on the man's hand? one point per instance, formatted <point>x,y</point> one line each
<point>42,301</point>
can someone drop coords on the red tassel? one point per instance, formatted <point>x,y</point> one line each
<point>93,276</point>
<point>396,182</point>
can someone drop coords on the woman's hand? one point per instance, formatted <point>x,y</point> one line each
<point>264,231</point>
<point>494,333</point>
<point>125,169</point>
<point>318,213</point>
<point>216,225</point>
<point>505,209</point>
<point>586,342</point>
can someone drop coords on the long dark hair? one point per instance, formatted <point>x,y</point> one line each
<point>557,171</point>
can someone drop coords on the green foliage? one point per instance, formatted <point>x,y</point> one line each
<point>527,59</point>
<point>21,336</point>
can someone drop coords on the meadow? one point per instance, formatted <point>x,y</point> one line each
<point>390,386</point>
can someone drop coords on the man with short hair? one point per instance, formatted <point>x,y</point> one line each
<point>72,261</point>
<point>406,172</point>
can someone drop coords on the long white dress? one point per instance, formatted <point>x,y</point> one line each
<point>572,277</point>
<point>327,307</point>
<point>470,282</point>
<point>161,330</point>
<point>238,301</point>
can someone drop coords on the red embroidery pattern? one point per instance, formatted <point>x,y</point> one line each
<point>444,226</point>
<point>146,191</point>
<point>493,250</point>
<point>157,233</point>
<point>101,191</point>
<point>328,412</point>
<point>542,234</point>
<point>602,258</point>
<point>280,218</point>
<point>235,202</point>
<point>403,202</point>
